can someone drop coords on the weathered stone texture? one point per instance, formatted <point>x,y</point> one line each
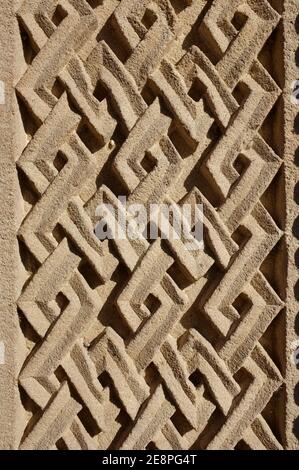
<point>142,345</point>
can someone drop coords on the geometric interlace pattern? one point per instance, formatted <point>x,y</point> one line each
<point>144,344</point>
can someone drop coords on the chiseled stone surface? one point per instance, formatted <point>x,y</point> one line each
<point>147,345</point>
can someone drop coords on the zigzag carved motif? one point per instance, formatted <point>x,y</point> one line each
<point>138,344</point>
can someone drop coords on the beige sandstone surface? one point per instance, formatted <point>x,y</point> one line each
<point>147,345</point>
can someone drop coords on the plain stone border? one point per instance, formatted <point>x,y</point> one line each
<point>8,245</point>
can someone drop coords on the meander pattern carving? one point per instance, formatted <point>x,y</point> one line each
<point>141,344</point>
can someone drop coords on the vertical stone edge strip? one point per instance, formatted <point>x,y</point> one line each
<point>8,314</point>
<point>291,162</point>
